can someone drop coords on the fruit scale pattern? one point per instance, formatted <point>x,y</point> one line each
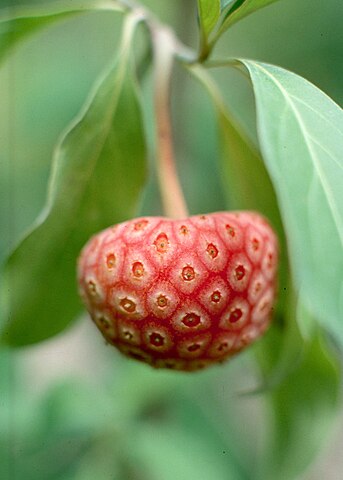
<point>181,294</point>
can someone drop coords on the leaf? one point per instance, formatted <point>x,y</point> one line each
<point>209,12</point>
<point>55,430</point>
<point>303,409</point>
<point>300,133</point>
<point>301,381</point>
<point>302,393</point>
<point>249,186</point>
<point>17,23</point>
<point>245,179</point>
<point>238,11</point>
<point>99,171</point>
<point>191,455</point>
<point>226,3</point>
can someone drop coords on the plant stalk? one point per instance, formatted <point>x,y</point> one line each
<point>174,204</point>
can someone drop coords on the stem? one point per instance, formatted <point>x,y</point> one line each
<point>223,62</point>
<point>182,52</point>
<point>199,72</point>
<point>172,197</point>
<point>166,46</point>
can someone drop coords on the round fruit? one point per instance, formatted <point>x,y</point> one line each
<point>181,294</point>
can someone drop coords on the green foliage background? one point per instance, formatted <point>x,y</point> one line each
<point>73,409</point>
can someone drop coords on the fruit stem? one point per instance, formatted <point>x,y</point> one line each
<point>174,204</point>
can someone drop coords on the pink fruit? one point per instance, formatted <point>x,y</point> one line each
<point>181,294</point>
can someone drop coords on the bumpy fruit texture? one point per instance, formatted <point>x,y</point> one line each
<point>181,294</point>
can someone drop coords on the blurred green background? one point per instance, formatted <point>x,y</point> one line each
<point>70,407</point>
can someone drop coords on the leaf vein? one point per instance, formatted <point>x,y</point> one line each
<point>317,112</point>
<point>321,174</point>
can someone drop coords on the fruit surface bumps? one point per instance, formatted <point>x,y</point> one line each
<point>181,294</point>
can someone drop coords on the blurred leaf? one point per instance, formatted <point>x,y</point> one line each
<point>247,184</point>
<point>191,456</point>
<point>73,406</point>
<point>141,385</point>
<point>303,408</point>
<point>306,323</point>
<point>170,425</point>
<point>40,447</point>
<point>239,10</point>
<point>17,23</point>
<point>98,174</point>
<point>300,132</point>
<point>103,462</point>
<point>246,181</point>
<point>209,12</point>
<point>226,3</point>
<point>249,187</point>
<point>6,418</point>
<point>281,350</point>
<point>292,369</point>
<point>209,418</point>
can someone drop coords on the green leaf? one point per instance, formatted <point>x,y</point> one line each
<point>17,23</point>
<point>249,186</point>
<point>303,409</point>
<point>226,3</point>
<point>190,455</point>
<point>246,182</point>
<point>209,12</point>
<point>301,137</point>
<point>292,369</point>
<point>54,431</point>
<point>98,174</point>
<point>239,10</point>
